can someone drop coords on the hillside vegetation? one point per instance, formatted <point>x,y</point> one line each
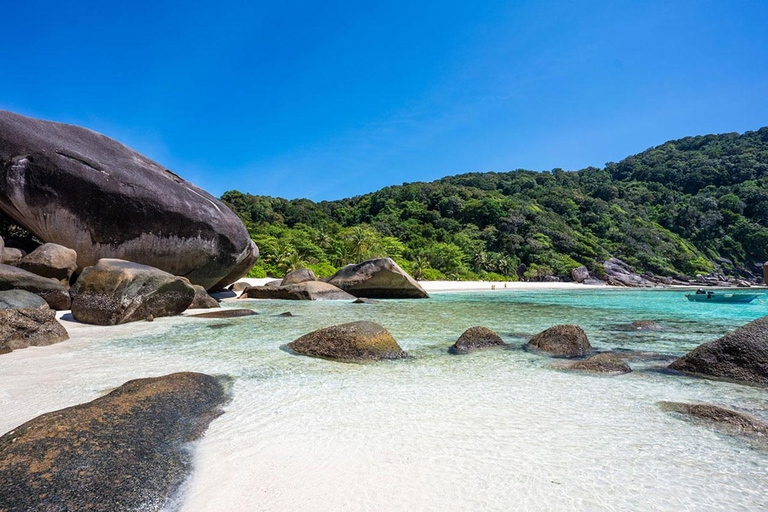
<point>688,206</point>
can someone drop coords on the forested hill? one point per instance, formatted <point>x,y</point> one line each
<point>688,206</point>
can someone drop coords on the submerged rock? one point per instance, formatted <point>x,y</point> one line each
<point>202,300</point>
<point>75,187</point>
<point>476,338</point>
<point>380,278</point>
<point>601,363</point>
<point>308,290</point>
<point>123,451</point>
<point>734,421</point>
<point>562,340</point>
<point>355,341</point>
<point>51,290</point>
<point>286,314</point>
<point>226,313</point>
<point>363,300</point>
<point>116,291</point>
<point>740,355</point>
<point>643,325</point>
<point>51,260</point>
<point>26,320</point>
<point>301,275</point>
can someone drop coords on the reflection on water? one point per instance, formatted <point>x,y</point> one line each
<point>495,430</point>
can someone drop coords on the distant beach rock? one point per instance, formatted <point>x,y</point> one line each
<point>202,300</point>
<point>116,291</point>
<point>301,275</point>
<point>51,290</point>
<point>239,286</point>
<point>601,363</point>
<point>363,300</point>
<point>580,274</point>
<point>476,338</point>
<point>135,210</point>
<point>562,340</point>
<point>380,278</point>
<point>226,313</point>
<point>741,355</point>
<point>730,420</point>
<point>26,320</point>
<point>51,260</point>
<point>124,451</point>
<point>274,282</point>
<point>308,290</point>
<point>618,273</point>
<point>765,272</point>
<point>355,341</point>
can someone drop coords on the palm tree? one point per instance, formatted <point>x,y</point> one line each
<point>294,262</point>
<point>361,241</point>
<point>420,264</point>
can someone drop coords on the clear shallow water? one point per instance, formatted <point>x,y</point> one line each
<point>495,430</point>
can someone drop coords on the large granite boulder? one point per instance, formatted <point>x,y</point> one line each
<point>601,363</point>
<point>301,275</point>
<point>202,300</point>
<point>580,274</point>
<point>562,340</point>
<point>54,293</point>
<point>72,186</point>
<point>26,320</point>
<point>127,450</point>
<point>380,278</point>
<point>116,291</point>
<point>355,341</point>
<point>765,272</point>
<point>720,417</point>
<point>740,355</point>
<point>51,260</point>
<point>618,273</point>
<point>11,255</point>
<point>308,290</point>
<point>476,338</point>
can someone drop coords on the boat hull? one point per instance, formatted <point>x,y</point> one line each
<point>728,298</point>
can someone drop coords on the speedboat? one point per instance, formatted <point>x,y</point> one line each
<point>722,297</point>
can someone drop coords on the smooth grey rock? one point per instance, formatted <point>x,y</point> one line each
<point>580,274</point>
<point>379,278</point>
<point>202,300</point>
<point>476,338</point>
<point>298,276</point>
<point>51,260</point>
<point>54,293</point>
<point>562,340</point>
<point>77,188</point>
<point>308,290</point>
<point>354,341</point>
<point>116,291</point>
<point>11,255</point>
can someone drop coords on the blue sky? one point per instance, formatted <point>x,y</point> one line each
<point>332,99</point>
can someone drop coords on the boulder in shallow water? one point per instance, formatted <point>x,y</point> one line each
<point>308,290</point>
<point>301,275</point>
<point>355,341</point>
<point>124,451</point>
<point>380,278</point>
<point>26,320</point>
<point>116,291</point>
<point>741,355</point>
<point>51,260</point>
<point>643,325</point>
<point>202,300</point>
<point>476,338</point>
<point>562,340</point>
<point>51,290</point>
<point>728,419</point>
<point>75,187</point>
<point>601,363</point>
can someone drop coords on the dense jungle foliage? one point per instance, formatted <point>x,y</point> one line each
<point>685,207</point>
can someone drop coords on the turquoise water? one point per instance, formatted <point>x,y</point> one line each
<point>494,430</point>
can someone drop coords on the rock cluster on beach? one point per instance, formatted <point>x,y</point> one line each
<point>741,355</point>
<point>51,290</point>
<point>136,209</point>
<point>123,451</point>
<point>26,320</point>
<point>562,340</point>
<point>476,338</point>
<point>306,290</point>
<point>354,341</point>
